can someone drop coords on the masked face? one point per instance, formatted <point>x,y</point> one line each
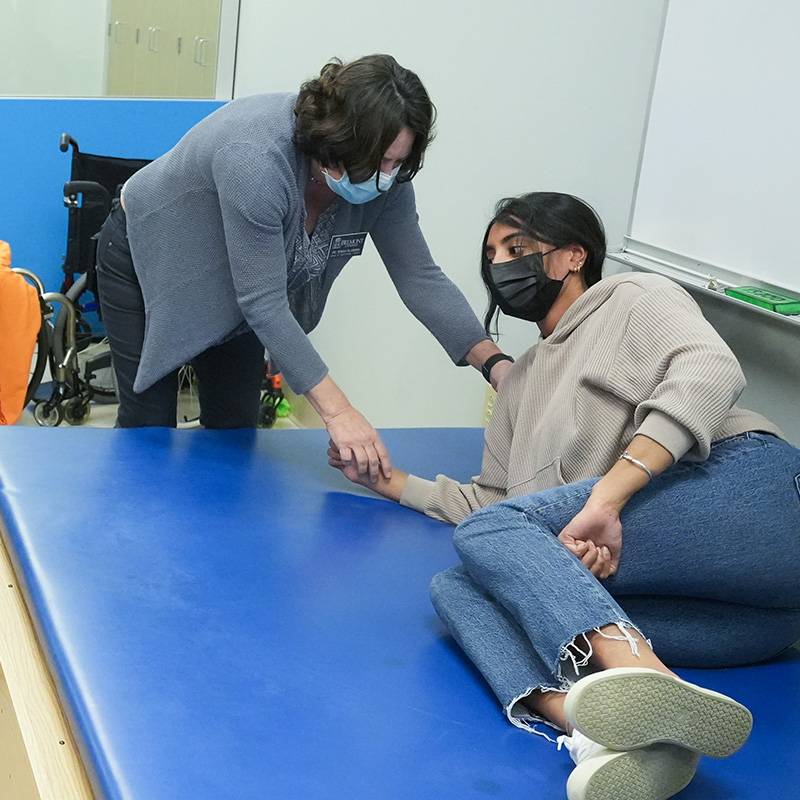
<point>393,159</point>
<point>358,193</point>
<point>521,288</point>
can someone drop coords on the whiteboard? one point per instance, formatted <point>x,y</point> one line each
<point>719,178</point>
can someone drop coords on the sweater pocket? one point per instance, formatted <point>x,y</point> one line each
<point>545,477</point>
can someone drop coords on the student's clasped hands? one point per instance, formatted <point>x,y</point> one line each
<point>594,535</point>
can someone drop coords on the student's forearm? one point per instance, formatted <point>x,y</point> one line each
<point>390,488</point>
<point>626,478</point>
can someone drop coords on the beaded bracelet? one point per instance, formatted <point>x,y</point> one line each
<point>628,457</point>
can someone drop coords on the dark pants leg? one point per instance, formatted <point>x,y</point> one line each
<point>124,319</point>
<point>229,378</point>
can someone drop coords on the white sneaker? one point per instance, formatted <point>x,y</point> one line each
<point>651,773</point>
<point>578,746</point>
<point>627,708</point>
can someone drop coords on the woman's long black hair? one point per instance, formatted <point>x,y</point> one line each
<point>552,218</point>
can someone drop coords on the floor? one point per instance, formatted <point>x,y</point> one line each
<point>104,415</point>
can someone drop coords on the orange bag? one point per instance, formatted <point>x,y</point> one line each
<point>20,320</point>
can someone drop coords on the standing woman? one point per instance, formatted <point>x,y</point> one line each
<point>230,243</point>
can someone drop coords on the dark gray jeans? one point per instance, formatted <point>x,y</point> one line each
<point>229,375</point>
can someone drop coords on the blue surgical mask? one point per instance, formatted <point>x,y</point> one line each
<point>358,193</point>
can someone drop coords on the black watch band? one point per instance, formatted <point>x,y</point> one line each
<point>491,361</point>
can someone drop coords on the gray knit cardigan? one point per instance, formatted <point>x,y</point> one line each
<point>212,226</point>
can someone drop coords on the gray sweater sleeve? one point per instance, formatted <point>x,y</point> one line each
<point>254,236</point>
<point>426,291</point>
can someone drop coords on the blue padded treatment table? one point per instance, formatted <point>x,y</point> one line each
<point>226,617</point>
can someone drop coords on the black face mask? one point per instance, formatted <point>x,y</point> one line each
<point>521,287</point>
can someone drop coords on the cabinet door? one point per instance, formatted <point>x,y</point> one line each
<point>156,62</point>
<point>197,61</point>
<point>121,50</point>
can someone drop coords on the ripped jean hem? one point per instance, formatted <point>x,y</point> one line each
<point>521,716</point>
<point>578,657</point>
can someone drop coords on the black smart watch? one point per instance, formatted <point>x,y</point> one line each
<point>491,361</point>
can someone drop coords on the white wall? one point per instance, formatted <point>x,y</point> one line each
<point>531,95</point>
<point>52,48</point>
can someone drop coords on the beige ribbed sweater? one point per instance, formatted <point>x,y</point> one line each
<point>633,354</point>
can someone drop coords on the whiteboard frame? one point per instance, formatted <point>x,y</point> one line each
<point>226,58</point>
<point>699,276</point>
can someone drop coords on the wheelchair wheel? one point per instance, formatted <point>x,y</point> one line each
<point>83,331</point>
<point>267,415</point>
<point>188,398</point>
<point>38,362</point>
<point>76,411</point>
<point>47,418</point>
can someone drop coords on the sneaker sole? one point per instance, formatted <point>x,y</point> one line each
<point>652,773</point>
<point>629,708</point>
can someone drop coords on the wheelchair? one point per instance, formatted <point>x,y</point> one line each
<point>95,182</point>
<point>70,394</point>
<point>75,351</point>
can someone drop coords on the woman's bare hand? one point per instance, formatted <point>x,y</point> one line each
<point>594,535</point>
<point>358,445</point>
<point>391,488</point>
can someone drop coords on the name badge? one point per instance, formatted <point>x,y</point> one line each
<point>347,245</point>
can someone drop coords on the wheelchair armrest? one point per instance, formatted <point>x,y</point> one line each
<point>88,188</point>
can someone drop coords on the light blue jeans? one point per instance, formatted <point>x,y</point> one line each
<point>709,573</point>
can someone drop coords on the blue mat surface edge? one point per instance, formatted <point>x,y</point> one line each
<point>765,768</point>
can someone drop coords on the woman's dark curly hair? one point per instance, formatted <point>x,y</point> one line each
<point>350,115</point>
<point>551,218</point>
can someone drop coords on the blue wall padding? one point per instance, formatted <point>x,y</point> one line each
<point>32,214</point>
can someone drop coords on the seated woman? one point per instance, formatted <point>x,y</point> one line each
<point>622,495</point>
